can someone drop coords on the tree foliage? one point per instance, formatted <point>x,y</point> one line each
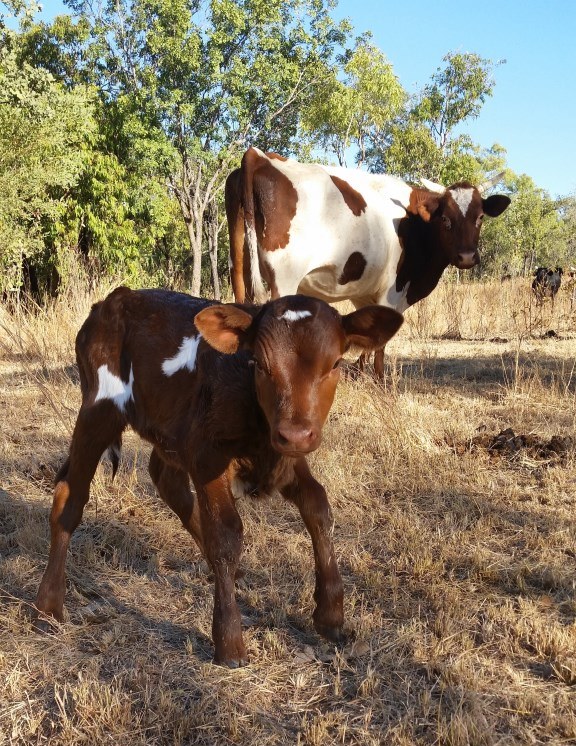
<point>532,232</point>
<point>43,128</point>
<point>206,79</point>
<point>426,140</point>
<point>120,121</point>
<point>350,111</point>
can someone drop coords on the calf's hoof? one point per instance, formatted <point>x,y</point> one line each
<point>231,654</point>
<point>44,624</point>
<point>232,662</point>
<point>334,634</point>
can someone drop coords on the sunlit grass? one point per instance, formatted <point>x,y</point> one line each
<point>459,563</point>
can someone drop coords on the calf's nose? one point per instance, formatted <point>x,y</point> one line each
<point>296,438</point>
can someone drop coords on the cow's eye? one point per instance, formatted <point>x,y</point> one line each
<point>337,364</point>
<point>447,222</point>
<point>479,221</point>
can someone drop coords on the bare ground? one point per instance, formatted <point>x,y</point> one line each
<point>455,532</point>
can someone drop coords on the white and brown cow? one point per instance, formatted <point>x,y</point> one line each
<point>344,234</point>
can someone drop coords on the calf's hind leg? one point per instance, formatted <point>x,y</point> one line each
<point>97,427</point>
<point>173,486</point>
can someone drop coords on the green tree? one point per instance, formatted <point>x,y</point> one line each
<point>352,109</point>
<point>531,232</point>
<point>455,94</point>
<point>43,130</point>
<point>118,214</point>
<point>424,141</point>
<point>205,79</point>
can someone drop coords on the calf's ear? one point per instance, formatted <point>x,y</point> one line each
<point>371,327</point>
<point>224,327</point>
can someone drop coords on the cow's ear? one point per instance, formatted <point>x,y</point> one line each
<point>495,205</point>
<point>423,203</point>
<point>224,327</point>
<point>371,327</point>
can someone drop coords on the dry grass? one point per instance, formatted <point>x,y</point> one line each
<point>459,563</point>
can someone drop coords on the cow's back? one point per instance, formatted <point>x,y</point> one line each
<point>341,241</point>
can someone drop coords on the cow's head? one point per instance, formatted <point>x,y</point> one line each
<point>454,217</point>
<point>297,345</point>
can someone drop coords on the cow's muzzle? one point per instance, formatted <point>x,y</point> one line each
<point>467,259</point>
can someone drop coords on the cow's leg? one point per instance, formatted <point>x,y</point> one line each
<point>364,358</point>
<point>310,498</point>
<point>222,534</point>
<point>97,427</point>
<point>379,363</point>
<point>173,486</point>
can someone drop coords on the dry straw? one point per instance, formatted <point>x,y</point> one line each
<point>459,559</point>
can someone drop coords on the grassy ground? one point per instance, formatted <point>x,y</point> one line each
<point>457,549</point>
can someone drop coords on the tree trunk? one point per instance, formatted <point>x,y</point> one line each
<point>196,188</point>
<point>212,231</point>
<point>195,240</point>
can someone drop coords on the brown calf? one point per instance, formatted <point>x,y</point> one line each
<point>154,360</point>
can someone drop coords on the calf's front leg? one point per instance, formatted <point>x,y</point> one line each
<point>310,498</point>
<point>222,536</point>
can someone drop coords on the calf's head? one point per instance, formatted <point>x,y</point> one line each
<point>297,345</point>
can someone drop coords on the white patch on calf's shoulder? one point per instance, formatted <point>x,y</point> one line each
<point>184,358</point>
<point>294,315</point>
<point>462,197</point>
<point>111,386</point>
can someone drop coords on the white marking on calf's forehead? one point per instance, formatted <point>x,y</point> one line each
<point>290,315</point>
<point>111,386</point>
<point>184,358</point>
<point>462,197</point>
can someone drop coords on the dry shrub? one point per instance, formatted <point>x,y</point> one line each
<point>458,563</point>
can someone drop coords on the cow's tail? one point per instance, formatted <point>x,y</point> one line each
<point>256,284</point>
<point>113,453</point>
<point>235,219</point>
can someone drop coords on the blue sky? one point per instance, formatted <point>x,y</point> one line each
<point>532,112</point>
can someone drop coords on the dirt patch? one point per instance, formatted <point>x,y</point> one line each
<point>510,446</point>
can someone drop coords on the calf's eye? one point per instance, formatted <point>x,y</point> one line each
<point>259,367</point>
<point>337,364</point>
<point>446,221</point>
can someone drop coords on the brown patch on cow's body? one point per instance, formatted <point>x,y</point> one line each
<point>354,200</point>
<point>353,269</point>
<point>274,195</point>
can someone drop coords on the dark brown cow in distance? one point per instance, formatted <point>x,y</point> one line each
<point>546,283</point>
<point>344,234</point>
<point>233,397</point>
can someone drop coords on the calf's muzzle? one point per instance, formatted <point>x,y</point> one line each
<point>295,439</point>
